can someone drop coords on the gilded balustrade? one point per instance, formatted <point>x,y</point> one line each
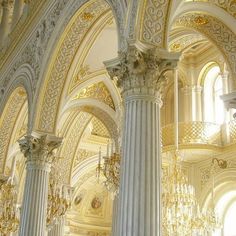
<point>232,131</point>
<point>196,132</point>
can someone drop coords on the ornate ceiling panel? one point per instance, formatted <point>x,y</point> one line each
<point>81,155</point>
<point>70,144</point>
<point>214,30</point>
<point>9,118</point>
<point>184,42</point>
<point>68,48</point>
<point>97,91</point>
<point>227,5</point>
<point>154,22</point>
<point>99,128</point>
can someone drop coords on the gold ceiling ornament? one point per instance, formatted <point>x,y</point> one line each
<point>110,168</point>
<point>176,47</point>
<point>97,91</point>
<point>9,211</point>
<point>59,198</point>
<point>87,16</point>
<point>200,20</point>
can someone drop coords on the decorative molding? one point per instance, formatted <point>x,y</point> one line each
<point>97,91</point>
<point>9,118</point>
<point>154,23</point>
<point>81,155</point>
<point>66,52</point>
<point>180,44</point>
<point>216,31</point>
<point>227,5</point>
<point>69,147</point>
<point>99,128</point>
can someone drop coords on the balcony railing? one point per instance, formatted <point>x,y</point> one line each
<point>196,132</point>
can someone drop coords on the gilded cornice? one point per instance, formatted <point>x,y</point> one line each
<point>214,30</point>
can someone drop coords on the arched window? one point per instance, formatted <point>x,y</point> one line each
<point>229,221</point>
<point>213,89</point>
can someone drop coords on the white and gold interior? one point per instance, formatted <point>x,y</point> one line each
<point>64,89</point>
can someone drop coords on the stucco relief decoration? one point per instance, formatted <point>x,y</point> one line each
<point>35,49</point>
<point>70,145</point>
<point>97,91</point>
<point>155,19</point>
<point>181,43</point>
<point>96,203</point>
<point>9,117</point>
<point>136,69</point>
<point>62,62</point>
<point>216,31</point>
<point>81,155</point>
<point>227,5</point>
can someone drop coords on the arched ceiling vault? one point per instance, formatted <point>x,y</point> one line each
<point>70,42</point>
<point>8,120</point>
<point>214,30</point>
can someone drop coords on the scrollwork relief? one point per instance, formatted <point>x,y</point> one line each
<point>217,32</point>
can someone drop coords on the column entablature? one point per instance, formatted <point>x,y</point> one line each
<point>141,72</point>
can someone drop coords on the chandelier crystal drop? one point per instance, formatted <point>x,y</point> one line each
<point>59,199</point>
<point>110,168</point>
<point>9,210</point>
<point>181,214</point>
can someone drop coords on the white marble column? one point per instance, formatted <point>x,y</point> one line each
<point>140,78</point>
<point>38,150</point>
<point>58,227</point>
<point>114,215</point>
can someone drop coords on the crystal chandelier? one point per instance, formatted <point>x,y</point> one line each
<point>59,199</point>
<point>181,214</point>
<point>9,211</point>
<point>179,203</point>
<point>110,169</point>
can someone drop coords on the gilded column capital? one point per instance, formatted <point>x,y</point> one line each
<point>39,148</point>
<point>141,70</point>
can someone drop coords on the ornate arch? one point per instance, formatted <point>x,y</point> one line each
<point>18,92</point>
<point>215,31</point>
<point>56,73</point>
<point>8,120</point>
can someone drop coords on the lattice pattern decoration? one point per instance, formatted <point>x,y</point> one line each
<point>193,133</point>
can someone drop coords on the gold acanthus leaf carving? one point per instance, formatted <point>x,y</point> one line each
<point>97,91</point>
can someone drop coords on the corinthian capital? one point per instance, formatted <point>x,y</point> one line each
<point>39,147</point>
<point>136,68</point>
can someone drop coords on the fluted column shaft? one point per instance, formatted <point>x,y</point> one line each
<point>140,77</point>
<point>139,206</point>
<point>39,156</point>
<point>35,199</point>
<point>57,228</point>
